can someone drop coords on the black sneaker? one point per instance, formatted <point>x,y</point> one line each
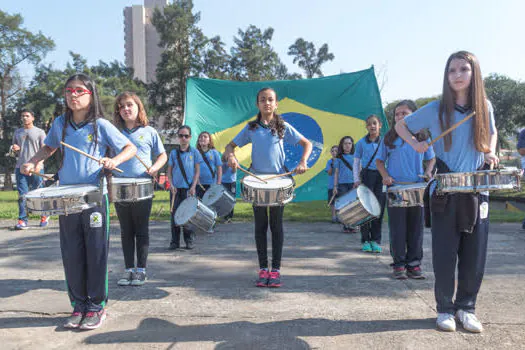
<point>93,320</point>
<point>138,278</point>
<point>399,273</point>
<point>190,245</point>
<point>74,320</point>
<point>125,280</point>
<point>173,246</point>
<point>415,273</point>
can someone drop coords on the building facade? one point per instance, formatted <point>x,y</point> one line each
<point>141,40</point>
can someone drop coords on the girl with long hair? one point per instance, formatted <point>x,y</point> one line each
<point>211,171</point>
<point>365,171</point>
<point>131,119</point>
<point>344,172</point>
<point>460,221</point>
<point>399,163</point>
<point>267,135</point>
<point>84,237</point>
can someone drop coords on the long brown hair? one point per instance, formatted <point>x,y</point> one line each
<point>276,125</point>
<point>477,99</point>
<point>391,135</point>
<point>210,146</point>
<point>142,117</point>
<point>340,149</point>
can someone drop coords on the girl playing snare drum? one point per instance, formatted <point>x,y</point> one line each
<point>267,135</point>
<point>460,221</point>
<point>405,165</point>
<point>130,117</point>
<point>84,237</point>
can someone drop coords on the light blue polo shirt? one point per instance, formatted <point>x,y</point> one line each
<point>77,168</point>
<point>364,149</point>
<point>463,156</point>
<point>330,177</point>
<point>228,175</point>
<point>346,175</point>
<point>403,163</point>
<point>189,158</point>
<point>148,144</point>
<point>267,150</point>
<point>214,158</point>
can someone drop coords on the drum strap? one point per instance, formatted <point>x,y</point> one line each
<point>375,152</point>
<point>290,176</point>
<point>348,164</point>
<point>208,164</point>
<point>182,170</point>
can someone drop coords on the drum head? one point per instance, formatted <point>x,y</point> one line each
<point>368,200</point>
<point>62,191</point>
<point>131,180</point>
<point>279,182</point>
<point>186,210</point>
<point>213,194</point>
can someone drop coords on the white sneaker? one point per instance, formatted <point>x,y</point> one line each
<point>469,321</point>
<point>446,322</point>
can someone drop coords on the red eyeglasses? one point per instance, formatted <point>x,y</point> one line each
<point>78,91</point>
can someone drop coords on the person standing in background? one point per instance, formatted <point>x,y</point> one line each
<point>26,142</point>
<point>521,151</point>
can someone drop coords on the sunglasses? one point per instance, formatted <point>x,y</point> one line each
<point>186,136</point>
<point>77,91</point>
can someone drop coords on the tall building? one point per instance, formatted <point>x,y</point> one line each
<point>142,52</point>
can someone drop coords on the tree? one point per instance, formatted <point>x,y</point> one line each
<point>184,47</point>
<point>508,100</point>
<point>17,45</point>
<point>253,57</point>
<point>308,59</point>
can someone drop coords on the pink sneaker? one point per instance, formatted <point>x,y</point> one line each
<point>264,276</point>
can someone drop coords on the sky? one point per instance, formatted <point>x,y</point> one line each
<point>407,41</point>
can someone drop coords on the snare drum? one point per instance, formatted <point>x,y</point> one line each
<point>357,207</point>
<point>277,191</point>
<point>506,179</point>
<point>193,214</point>
<point>63,200</point>
<point>406,195</point>
<point>218,198</point>
<point>127,189</point>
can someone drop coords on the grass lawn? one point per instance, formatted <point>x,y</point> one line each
<point>304,211</point>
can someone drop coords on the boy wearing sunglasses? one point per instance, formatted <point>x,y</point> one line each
<point>183,175</point>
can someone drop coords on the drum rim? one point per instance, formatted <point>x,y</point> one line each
<point>41,191</point>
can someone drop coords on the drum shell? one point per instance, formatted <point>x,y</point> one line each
<point>404,196</point>
<point>267,197</point>
<point>203,218</point>
<point>507,179</point>
<point>50,201</point>
<point>131,189</point>
<point>222,204</point>
<point>351,210</point>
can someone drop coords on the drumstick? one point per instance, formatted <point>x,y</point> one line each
<point>146,166</point>
<point>41,175</point>
<point>255,176</point>
<point>279,175</point>
<point>331,199</point>
<point>172,202</point>
<point>85,154</point>
<point>449,130</point>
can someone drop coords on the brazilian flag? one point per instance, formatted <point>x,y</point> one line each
<point>322,109</point>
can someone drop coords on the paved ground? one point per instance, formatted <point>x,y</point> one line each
<point>334,296</point>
